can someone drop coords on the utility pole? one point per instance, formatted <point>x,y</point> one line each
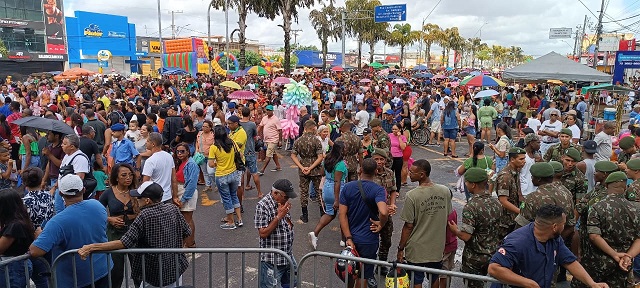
<point>598,34</point>
<point>295,35</point>
<point>344,36</point>
<point>173,24</point>
<point>160,30</point>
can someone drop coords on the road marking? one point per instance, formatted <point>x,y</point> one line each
<point>439,152</point>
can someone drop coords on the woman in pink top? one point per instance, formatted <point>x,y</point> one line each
<point>398,144</point>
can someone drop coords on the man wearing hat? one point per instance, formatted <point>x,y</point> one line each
<point>531,146</point>
<point>158,225</point>
<point>633,172</point>
<point>507,185</point>
<point>123,150</point>
<point>385,178</point>
<point>275,228</point>
<point>231,110</point>
<point>481,228</point>
<point>613,225</point>
<point>380,138</point>
<point>352,152</point>
<point>556,151</point>
<point>588,163</point>
<point>307,154</point>
<point>628,147</point>
<point>239,136</point>
<point>82,222</point>
<point>572,178</point>
<point>387,121</point>
<point>272,133</point>
<point>546,193</point>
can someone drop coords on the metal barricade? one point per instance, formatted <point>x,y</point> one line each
<point>8,267</point>
<point>331,257</point>
<point>194,257</point>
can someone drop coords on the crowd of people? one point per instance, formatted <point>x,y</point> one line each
<point>141,148</point>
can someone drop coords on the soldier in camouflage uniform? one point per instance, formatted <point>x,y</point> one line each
<point>628,147</point>
<point>615,220</point>
<point>572,177</point>
<point>352,152</point>
<point>508,188</point>
<point>482,228</point>
<point>307,155</point>
<point>380,138</point>
<point>633,172</point>
<point>385,178</point>
<point>556,151</point>
<point>547,193</point>
<point>603,170</point>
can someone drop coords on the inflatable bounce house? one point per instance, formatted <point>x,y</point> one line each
<point>188,54</point>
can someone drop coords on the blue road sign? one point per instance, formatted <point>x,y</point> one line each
<point>390,13</point>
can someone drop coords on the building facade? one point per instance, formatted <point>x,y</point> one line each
<point>32,33</point>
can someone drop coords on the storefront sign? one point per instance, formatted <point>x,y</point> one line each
<point>19,56</point>
<point>50,57</point>
<point>93,31</point>
<point>154,47</point>
<point>114,34</point>
<point>54,26</point>
<point>104,55</point>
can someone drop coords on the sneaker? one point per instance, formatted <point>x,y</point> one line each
<point>227,226</point>
<point>276,169</point>
<point>304,218</point>
<point>342,243</point>
<point>260,173</point>
<point>239,223</point>
<point>313,239</point>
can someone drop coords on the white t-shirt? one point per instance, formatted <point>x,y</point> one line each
<point>359,98</point>
<point>158,166</point>
<point>575,131</point>
<point>534,124</point>
<point>196,105</point>
<point>548,126</point>
<point>526,184</point>
<point>80,163</point>
<point>363,121</point>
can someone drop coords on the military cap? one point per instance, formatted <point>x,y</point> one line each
<point>626,142</point>
<point>541,169</point>
<point>574,154</point>
<point>633,164</point>
<point>606,166</point>
<point>615,177</point>
<point>379,152</point>
<point>517,150</point>
<point>557,166</point>
<point>345,122</point>
<point>531,137</point>
<point>566,131</point>
<point>475,175</point>
<point>375,122</point>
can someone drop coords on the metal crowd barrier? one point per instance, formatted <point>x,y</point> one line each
<point>7,261</point>
<point>377,264</point>
<point>191,253</point>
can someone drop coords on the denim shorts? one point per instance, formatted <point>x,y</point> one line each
<point>328,197</point>
<point>450,134</point>
<point>338,105</point>
<point>418,277</point>
<point>272,276</point>
<point>251,163</point>
<point>368,251</point>
<point>470,131</point>
<point>228,190</point>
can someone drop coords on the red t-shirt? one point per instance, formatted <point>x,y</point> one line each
<point>451,244</point>
<point>15,129</point>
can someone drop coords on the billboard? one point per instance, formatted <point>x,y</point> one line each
<point>609,43</point>
<point>625,60</point>
<point>560,33</point>
<point>314,58</point>
<point>627,45</point>
<point>54,26</point>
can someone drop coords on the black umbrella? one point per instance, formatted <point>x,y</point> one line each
<point>44,124</point>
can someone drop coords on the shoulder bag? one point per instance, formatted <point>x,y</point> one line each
<point>237,158</point>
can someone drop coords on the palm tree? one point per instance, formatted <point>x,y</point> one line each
<point>475,44</point>
<point>326,26</point>
<point>456,42</point>
<point>378,33</point>
<point>515,55</point>
<point>402,36</point>
<point>429,36</point>
<point>361,22</point>
<point>244,7</point>
<point>483,55</point>
<point>289,11</point>
<point>443,41</point>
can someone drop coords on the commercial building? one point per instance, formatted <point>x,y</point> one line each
<point>89,33</point>
<point>32,31</point>
<point>151,51</point>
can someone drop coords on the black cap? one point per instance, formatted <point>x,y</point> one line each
<point>589,146</point>
<point>366,131</point>
<point>285,186</point>
<point>149,190</point>
<point>234,119</point>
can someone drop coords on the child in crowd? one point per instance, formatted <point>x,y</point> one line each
<point>6,168</point>
<point>133,133</point>
<point>101,178</point>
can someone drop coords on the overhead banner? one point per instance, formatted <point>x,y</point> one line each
<point>54,26</point>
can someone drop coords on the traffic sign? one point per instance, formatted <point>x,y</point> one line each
<point>390,13</point>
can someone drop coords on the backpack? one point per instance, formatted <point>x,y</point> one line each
<point>335,133</point>
<point>89,181</point>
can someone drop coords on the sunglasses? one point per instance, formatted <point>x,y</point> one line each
<point>181,151</point>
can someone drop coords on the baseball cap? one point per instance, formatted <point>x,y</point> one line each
<point>53,108</point>
<point>447,98</point>
<point>231,105</point>
<point>285,186</point>
<point>71,185</point>
<point>389,111</point>
<point>589,146</point>
<point>148,189</point>
<point>117,127</point>
<point>234,119</point>
<point>269,108</point>
<point>366,131</point>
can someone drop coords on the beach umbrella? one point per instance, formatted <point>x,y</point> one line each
<point>420,68</point>
<point>240,73</point>
<point>557,82</point>
<point>257,70</point>
<point>328,81</point>
<point>400,81</point>
<point>481,80</point>
<point>243,95</point>
<point>298,71</point>
<point>231,84</point>
<point>439,76</point>
<point>486,93</point>
<point>375,65</point>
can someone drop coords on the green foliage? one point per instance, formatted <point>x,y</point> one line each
<point>252,58</point>
<point>298,47</point>
<point>294,61</point>
<point>3,49</point>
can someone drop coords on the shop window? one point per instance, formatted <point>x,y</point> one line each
<point>3,12</point>
<point>33,15</point>
<point>14,13</point>
<point>11,3</point>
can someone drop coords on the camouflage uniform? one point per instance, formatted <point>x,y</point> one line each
<point>383,142</point>
<point>576,182</point>
<point>617,221</point>
<point>633,191</point>
<point>387,180</point>
<point>551,193</point>
<point>508,184</point>
<point>583,206</point>
<point>352,148</point>
<point>555,152</point>
<point>483,218</point>
<point>624,157</point>
<point>307,148</point>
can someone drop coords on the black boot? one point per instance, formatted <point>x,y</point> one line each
<point>305,215</point>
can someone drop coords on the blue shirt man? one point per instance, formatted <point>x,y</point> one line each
<point>123,150</point>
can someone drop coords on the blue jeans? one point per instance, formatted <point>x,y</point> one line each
<point>270,275</point>
<point>636,265</point>
<point>17,277</point>
<point>58,202</point>
<point>35,161</point>
<point>208,178</point>
<point>228,189</point>
<point>251,163</point>
<point>41,271</point>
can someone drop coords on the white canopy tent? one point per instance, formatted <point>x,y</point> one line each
<point>557,67</point>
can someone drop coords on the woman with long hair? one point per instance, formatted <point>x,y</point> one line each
<point>222,157</point>
<point>477,159</point>
<point>469,124</point>
<point>450,124</point>
<point>187,134</point>
<point>122,210</point>
<point>187,175</point>
<point>398,144</point>
<point>335,177</point>
<point>16,235</point>
<point>204,141</point>
<point>407,151</point>
<point>501,148</point>
<point>141,144</point>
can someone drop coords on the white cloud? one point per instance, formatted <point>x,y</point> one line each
<point>510,22</point>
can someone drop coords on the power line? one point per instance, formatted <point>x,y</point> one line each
<point>634,16</point>
<point>621,25</point>
<point>434,8</point>
<point>585,6</point>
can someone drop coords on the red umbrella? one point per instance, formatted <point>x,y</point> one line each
<point>365,80</point>
<point>280,81</point>
<point>337,69</point>
<point>243,94</point>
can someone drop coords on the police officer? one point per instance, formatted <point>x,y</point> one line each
<point>633,172</point>
<point>556,151</point>
<point>482,227</point>
<point>352,152</point>
<point>572,177</point>
<point>307,155</point>
<point>628,147</point>
<point>508,186</point>
<point>385,178</point>
<point>613,225</point>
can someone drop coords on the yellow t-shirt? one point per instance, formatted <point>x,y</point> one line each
<point>225,164</point>
<point>106,101</point>
<point>240,137</point>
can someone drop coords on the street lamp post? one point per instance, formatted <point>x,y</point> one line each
<point>160,30</point>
